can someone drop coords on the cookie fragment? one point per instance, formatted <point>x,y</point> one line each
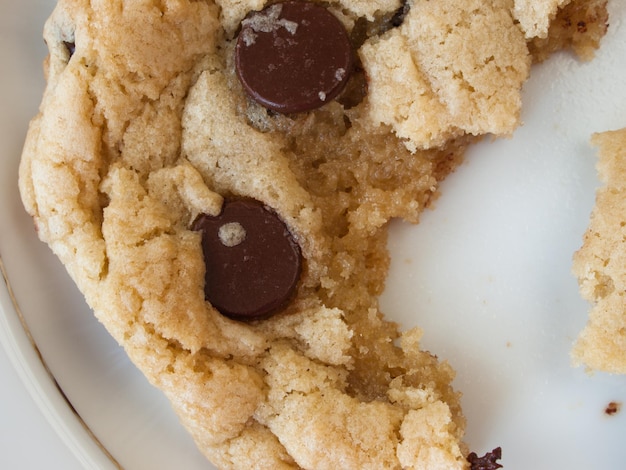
<point>599,263</point>
<point>613,408</point>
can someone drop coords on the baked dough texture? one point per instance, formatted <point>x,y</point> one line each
<point>599,264</point>
<point>438,76</point>
<point>534,16</point>
<point>144,125</point>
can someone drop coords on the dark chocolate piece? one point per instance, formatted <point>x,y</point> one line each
<point>487,461</point>
<point>293,56</point>
<point>253,263</point>
<point>400,14</point>
<point>70,46</point>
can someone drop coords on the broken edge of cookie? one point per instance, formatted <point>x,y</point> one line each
<point>599,263</point>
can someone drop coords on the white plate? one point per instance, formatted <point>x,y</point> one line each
<point>487,275</point>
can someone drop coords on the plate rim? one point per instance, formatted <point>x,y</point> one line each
<point>32,370</point>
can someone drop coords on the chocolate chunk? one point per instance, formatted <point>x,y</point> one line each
<point>487,461</point>
<point>293,56</point>
<point>253,263</point>
<point>70,46</point>
<point>400,14</point>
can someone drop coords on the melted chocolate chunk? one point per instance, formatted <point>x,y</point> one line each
<point>398,17</point>
<point>364,29</point>
<point>487,461</point>
<point>293,56</point>
<point>253,263</point>
<point>70,46</point>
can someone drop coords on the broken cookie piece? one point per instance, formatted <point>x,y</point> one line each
<point>599,263</point>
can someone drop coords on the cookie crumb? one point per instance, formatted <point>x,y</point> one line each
<point>487,461</point>
<point>613,408</point>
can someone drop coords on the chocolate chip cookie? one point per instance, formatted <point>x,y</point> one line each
<point>217,178</point>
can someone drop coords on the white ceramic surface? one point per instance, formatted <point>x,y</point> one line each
<point>486,274</point>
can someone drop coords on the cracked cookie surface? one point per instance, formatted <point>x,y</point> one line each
<point>144,126</point>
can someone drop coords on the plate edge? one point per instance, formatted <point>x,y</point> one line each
<point>34,373</point>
